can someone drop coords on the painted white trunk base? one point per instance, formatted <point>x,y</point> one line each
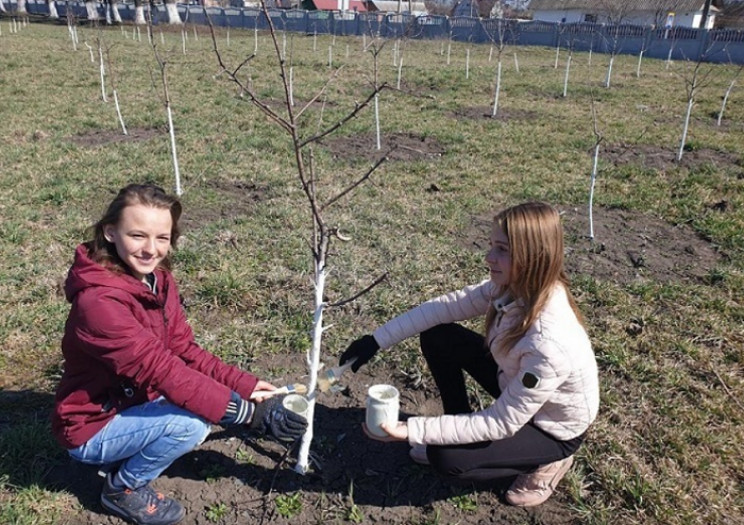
<point>91,10</point>
<point>173,16</point>
<point>139,15</point>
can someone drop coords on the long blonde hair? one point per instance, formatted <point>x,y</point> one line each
<point>535,239</point>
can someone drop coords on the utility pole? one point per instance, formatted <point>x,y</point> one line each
<point>704,19</point>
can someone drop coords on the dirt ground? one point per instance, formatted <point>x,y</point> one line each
<point>253,478</point>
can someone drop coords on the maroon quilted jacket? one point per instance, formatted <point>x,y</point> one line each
<point>124,345</point>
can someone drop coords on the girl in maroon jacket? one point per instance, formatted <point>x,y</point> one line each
<point>137,391</point>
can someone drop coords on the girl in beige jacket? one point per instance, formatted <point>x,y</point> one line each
<point>536,360</point>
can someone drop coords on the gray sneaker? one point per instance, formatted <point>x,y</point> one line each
<point>142,506</point>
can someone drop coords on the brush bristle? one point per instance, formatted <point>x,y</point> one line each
<point>299,388</point>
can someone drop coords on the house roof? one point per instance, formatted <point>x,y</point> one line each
<point>628,5</point>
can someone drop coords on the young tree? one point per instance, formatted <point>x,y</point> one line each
<point>727,93</point>
<point>162,65</point>
<point>695,77</point>
<point>598,138</point>
<point>324,232</point>
<point>52,8</point>
<point>112,11</point>
<point>499,39</point>
<point>616,14</point>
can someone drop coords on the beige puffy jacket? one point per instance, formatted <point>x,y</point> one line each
<point>560,392</point>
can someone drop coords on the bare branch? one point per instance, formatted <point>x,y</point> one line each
<point>359,294</point>
<point>244,90</point>
<point>344,120</point>
<point>359,181</point>
<point>322,90</point>
<point>282,66</point>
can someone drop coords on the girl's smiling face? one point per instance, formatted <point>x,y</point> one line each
<point>142,237</point>
<point>498,258</point>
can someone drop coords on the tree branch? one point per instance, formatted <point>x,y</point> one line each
<point>359,294</point>
<point>359,181</point>
<point>344,120</point>
<point>233,76</point>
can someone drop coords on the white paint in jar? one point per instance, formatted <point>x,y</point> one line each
<point>383,405</point>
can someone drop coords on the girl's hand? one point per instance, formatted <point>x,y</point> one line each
<point>396,432</point>
<point>262,386</point>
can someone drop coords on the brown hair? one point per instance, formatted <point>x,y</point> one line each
<point>536,246</point>
<point>104,252</point>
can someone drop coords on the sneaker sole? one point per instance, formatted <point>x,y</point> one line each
<point>118,512</point>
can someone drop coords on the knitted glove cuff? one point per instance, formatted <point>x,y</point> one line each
<point>238,411</point>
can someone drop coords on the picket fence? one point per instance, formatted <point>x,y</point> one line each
<point>681,43</point>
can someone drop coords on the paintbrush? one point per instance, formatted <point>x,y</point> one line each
<point>296,388</point>
<point>331,376</point>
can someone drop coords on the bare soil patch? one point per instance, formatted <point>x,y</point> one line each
<point>653,157</point>
<point>250,476</point>
<point>396,147</point>
<point>239,198</point>
<point>627,247</point>
<point>486,112</point>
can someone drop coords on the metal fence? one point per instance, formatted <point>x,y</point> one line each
<point>680,43</point>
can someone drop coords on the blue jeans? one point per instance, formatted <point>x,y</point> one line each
<point>146,439</point>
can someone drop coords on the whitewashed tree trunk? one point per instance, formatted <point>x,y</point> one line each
<point>557,54</point>
<point>591,190</point>
<point>172,9</point>
<point>172,133</point>
<point>723,104</point>
<point>102,69</point>
<point>495,108</point>
<point>303,456</point>
<point>91,10</point>
<point>118,113</point>
<point>685,128</point>
<point>609,71</point>
<point>21,7</point>
<point>378,143</point>
<point>565,78</point>
<point>139,14</point>
<point>112,12</point>
<point>638,67</point>
<point>52,6</point>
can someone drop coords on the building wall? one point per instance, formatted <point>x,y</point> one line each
<point>639,18</point>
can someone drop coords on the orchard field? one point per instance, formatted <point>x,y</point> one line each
<point>660,284</point>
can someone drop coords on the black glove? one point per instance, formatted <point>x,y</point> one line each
<point>363,349</point>
<point>270,417</point>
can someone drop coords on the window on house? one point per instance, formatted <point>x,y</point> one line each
<point>592,19</point>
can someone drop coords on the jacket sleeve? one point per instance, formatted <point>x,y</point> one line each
<point>109,332</point>
<point>182,344</point>
<point>538,379</point>
<point>467,303</point>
